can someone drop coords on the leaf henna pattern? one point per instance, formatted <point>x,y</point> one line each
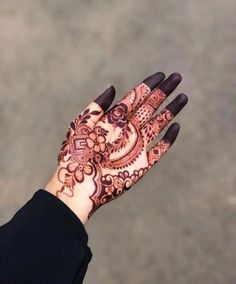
<point>105,154</point>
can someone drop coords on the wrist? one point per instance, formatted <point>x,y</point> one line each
<point>79,202</point>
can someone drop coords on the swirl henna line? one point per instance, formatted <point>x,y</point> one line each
<point>141,93</point>
<point>63,187</point>
<point>132,156</point>
<point>58,174</point>
<point>117,191</point>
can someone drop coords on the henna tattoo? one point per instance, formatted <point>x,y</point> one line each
<point>142,114</point>
<point>117,115</point>
<point>135,97</point>
<point>107,153</point>
<point>113,186</point>
<point>155,154</point>
<point>156,124</point>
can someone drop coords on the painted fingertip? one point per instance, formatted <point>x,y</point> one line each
<point>177,104</point>
<point>154,80</point>
<point>106,98</point>
<point>183,98</point>
<point>176,77</point>
<point>170,84</point>
<point>172,133</point>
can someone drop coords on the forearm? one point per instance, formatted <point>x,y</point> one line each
<point>79,202</point>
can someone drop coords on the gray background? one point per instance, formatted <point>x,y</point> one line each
<point>178,225</point>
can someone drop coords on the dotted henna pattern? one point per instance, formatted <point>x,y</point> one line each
<point>107,152</point>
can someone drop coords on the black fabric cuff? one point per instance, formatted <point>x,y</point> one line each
<point>66,216</point>
<point>44,242</point>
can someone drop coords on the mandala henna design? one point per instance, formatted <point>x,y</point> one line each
<point>105,154</point>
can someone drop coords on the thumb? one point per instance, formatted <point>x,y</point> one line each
<point>106,98</point>
<point>97,108</point>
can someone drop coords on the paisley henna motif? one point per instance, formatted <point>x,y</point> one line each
<point>106,153</point>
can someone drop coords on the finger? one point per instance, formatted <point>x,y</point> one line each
<point>170,84</point>
<point>158,122</point>
<point>156,152</point>
<point>106,98</point>
<point>138,94</point>
<point>146,110</point>
<point>96,109</point>
<point>154,80</point>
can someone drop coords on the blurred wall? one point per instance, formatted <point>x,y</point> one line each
<point>178,225</point>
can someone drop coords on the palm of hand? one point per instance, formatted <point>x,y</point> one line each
<point>105,154</point>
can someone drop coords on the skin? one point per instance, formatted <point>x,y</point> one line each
<point>107,151</point>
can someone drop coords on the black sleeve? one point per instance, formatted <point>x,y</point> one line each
<point>44,242</point>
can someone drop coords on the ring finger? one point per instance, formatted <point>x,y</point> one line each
<point>158,122</point>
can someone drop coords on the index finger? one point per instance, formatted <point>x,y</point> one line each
<point>139,93</point>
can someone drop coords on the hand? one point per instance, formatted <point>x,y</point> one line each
<point>105,153</point>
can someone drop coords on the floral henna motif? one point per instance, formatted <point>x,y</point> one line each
<point>96,142</point>
<point>117,115</point>
<point>74,173</point>
<point>110,156</point>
